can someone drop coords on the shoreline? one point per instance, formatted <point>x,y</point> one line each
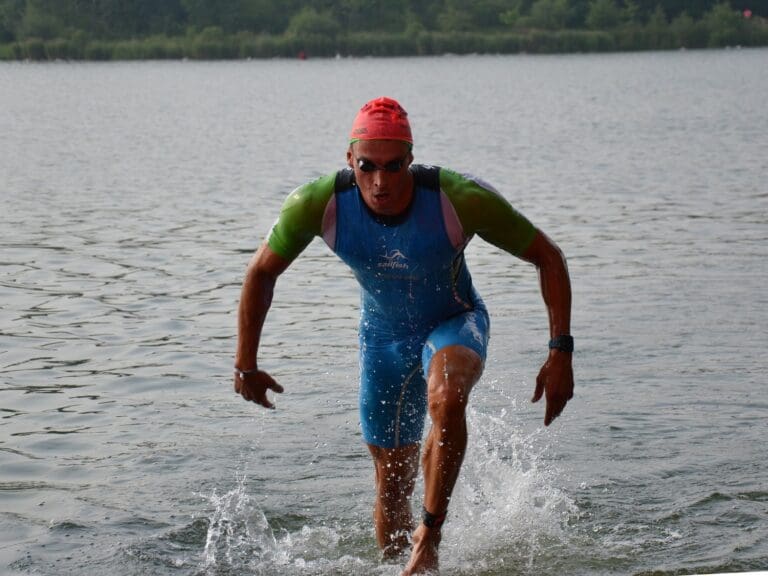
<point>214,45</point>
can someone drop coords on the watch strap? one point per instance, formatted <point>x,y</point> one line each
<point>564,342</point>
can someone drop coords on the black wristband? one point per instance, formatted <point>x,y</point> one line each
<point>433,520</point>
<point>243,373</point>
<point>564,342</point>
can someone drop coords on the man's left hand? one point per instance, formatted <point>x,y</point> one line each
<point>556,380</point>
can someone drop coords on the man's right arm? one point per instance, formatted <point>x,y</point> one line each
<point>300,220</point>
<point>255,300</point>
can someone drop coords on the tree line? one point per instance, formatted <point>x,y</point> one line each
<point>104,29</point>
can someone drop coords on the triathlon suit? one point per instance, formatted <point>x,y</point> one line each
<point>416,291</point>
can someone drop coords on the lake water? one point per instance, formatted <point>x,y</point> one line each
<point>133,195</point>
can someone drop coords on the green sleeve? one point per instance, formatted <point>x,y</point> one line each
<point>301,217</point>
<point>485,212</point>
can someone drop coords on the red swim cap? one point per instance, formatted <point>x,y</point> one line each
<point>381,119</point>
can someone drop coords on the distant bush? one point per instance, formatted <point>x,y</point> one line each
<point>309,22</point>
<point>367,44</point>
<point>154,48</point>
<point>9,52</point>
<point>61,49</point>
<point>688,33</point>
<point>720,27</point>
<point>98,50</point>
<point>603,15</point>
<point>725,25</point>
<point>33,49</point>
<point>757,34</point>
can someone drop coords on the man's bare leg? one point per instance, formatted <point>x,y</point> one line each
<point>453,372</point>
<point>396,470</point>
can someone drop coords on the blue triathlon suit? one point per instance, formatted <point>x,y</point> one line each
<point>416,295</point>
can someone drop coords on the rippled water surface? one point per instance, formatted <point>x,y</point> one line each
<point>133,195</point>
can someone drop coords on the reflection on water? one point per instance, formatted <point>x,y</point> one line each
<point>134,194</point>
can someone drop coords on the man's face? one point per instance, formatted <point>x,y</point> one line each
<point>381,171</point>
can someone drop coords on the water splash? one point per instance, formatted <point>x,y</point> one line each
<point>506,508</point>
<point>506,513</point>
<point>238,533</point>
<point>241,540</point>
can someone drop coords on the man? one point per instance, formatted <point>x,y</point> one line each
<point>402,229</point>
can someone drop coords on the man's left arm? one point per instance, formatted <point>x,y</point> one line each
<point>555,379</point>
<point>484,211</point>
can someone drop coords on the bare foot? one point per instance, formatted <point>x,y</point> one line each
<point>424,558</point>
<point>399,544</point>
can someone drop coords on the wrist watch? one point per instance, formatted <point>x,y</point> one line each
<point>564,342</point>
<point>243,373</point>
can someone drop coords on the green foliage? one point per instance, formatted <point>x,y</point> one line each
<point>208,29</point>
<point>656,31</point>
<point>454,19</point>
<point>658,19</point>
<point>549,14</point>
<point>40,22</point>
<point>309,23</point>
<point>724,25</point>
<point>603,15</point>
<point>11,14</point>
<point>630,13</point>
<point>688,33</point>
<point>510,17</point>
<point>413,25</point>
<point>9,52</point>
<point>486,13</point>
<point>367,44</point>
<point>374,15</point>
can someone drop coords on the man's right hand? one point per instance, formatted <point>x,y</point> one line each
<point>253,387</point>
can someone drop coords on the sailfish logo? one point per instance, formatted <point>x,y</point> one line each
<point>393,260</point>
